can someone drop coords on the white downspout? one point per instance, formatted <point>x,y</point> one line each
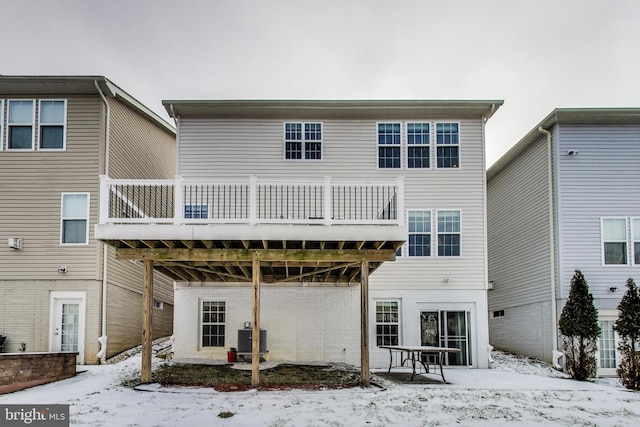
<point>484,214</point>
<point>552,262</point>
<point>102,353</point>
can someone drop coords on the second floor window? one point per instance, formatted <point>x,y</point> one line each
<point>449,233</point>
<point>303,141</point>
<point>52,124</point>
<point>20,125</point>
<point>447,145</point>
<point>418,145</point>
<point>75,219</point>
<point>389,145</point>
<point>614,241</point>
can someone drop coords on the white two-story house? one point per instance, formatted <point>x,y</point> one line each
<point>334,224</point>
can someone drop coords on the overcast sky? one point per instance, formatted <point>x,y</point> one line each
<point>535,55</point>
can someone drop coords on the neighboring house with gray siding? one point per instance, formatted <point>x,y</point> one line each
<point>60,289</point>
<point>278,183</point>
<point>566,197</point>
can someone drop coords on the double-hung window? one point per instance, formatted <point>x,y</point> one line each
<point>636,240</point>
<point>213,323</point>
<point>196,211</point>
<point>447,145</point>
<point>74,228</point>
<point>448,233</point>
<point>303,141</point>
<point>389,145</point>
<point>614,241</point>
<point>52,121</point>
<point>20,120</point>
<point>1,124</point>
<point>387,323</point>
<point>418,145</point>
<point>419,233</point>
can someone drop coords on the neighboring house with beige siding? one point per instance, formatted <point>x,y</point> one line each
<point>292,213</point>
<point>59,289</point>
<point>565,197</point>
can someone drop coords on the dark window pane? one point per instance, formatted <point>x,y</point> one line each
<point>51,136</point>
<point>448,245</point>
<point>418,157</point>
<point>637,253</point>
<point>20,137</point>
<point>448,157</point>
<point>615,253</point>
<point>74,231</point>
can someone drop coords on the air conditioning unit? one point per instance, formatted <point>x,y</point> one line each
<point>245,341</point>
<point>15,243</point>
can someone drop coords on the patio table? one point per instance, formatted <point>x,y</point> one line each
<point>412,357</point>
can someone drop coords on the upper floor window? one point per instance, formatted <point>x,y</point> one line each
<point>418,137</point>
<point>20,124</point>
<point>614,241</point>
<point>52,119</point>
<point>196,211</point>
<point>213,323</point>
<point>636,240</point>
<point>419,233</point>
<point>389,145</point>
<point>447,144</point>
<point>303,141</point>
<point>449,233</point>
<point>1,123</point>
<point>75,219</point>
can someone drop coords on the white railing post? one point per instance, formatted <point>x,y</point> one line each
<point>253,199</point>
<point>104,200</point>
<point>400,200</point>
<point>178,209</point>
<point>327,201</point>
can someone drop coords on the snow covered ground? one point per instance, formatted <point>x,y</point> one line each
<point>516,391</point>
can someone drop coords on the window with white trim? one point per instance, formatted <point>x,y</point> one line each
<point>213,323</point>
<point>389,145</point>
<point>447,145</point>
<point>418,137</point>
<point>635,225</point>
<point>614,241</point>
<point>419,225</point>
<point>448,233</point>
<point>52,124</point>
<point>20,118</point>
<point>74,228</point>
<point>387,323</point>
<point>303,141</point>
<point>196,211</point>
<point>1,125</point>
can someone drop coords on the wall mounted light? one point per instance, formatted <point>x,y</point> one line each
<point>62,269</point>
<point>490,285</point>
<point>572,152</point>
<point>613,289</point>
<point>447,279</point>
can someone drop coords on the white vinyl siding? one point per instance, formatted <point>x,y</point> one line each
<point>74,227</point>
<point>52,124</point>
<point>20,119</point>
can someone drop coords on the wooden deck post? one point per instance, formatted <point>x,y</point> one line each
<point>365,376</point>
<point>147,309</point>
<point>255,333</point>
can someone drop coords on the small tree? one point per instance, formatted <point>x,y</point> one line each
<point>580,330</point>
<point>628,328</point>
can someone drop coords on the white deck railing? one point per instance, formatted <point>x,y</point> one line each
<point>250,201</point>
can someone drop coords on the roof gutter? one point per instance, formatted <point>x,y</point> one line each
<point>552,264</point>
<point>102,353</point>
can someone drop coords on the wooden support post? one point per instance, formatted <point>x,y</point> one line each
<point>365,376</point>
<point>147,310</point>
<point>255,333</point>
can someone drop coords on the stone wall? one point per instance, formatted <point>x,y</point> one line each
<point>21,370</point>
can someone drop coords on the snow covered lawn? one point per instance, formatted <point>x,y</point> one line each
<point>517,391</point>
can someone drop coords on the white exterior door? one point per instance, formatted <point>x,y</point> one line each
<point>608,358</point>
<point>67,323</point>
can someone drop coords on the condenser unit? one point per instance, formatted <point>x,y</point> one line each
<point>245,340</point>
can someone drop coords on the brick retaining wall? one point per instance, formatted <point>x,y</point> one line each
<point>21,370</point>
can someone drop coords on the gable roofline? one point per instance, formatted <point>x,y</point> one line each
<point>77,85</point>
<point>332,109</point>
<point>624,115</point>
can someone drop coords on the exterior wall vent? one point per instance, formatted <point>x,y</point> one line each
<point>15,243</point>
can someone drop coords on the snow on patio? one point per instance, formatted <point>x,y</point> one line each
<point>515,391</point>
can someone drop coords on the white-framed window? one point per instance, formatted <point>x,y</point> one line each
<point>74,227</point>
<point>196,211</point>
<point>213,319</point>
<point>447,145</point>
<point>419,226</point>
<point>52,124</point>
<point>302,141</point>
<point>635,226</point>
<point>614,241</point>
<point>158,304</point>
<point>389,145</point>
<point>418,138</point>
<point>20,119</point>
<point>1,124</point>
<point>387,323</point>
<point>448,232</point>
